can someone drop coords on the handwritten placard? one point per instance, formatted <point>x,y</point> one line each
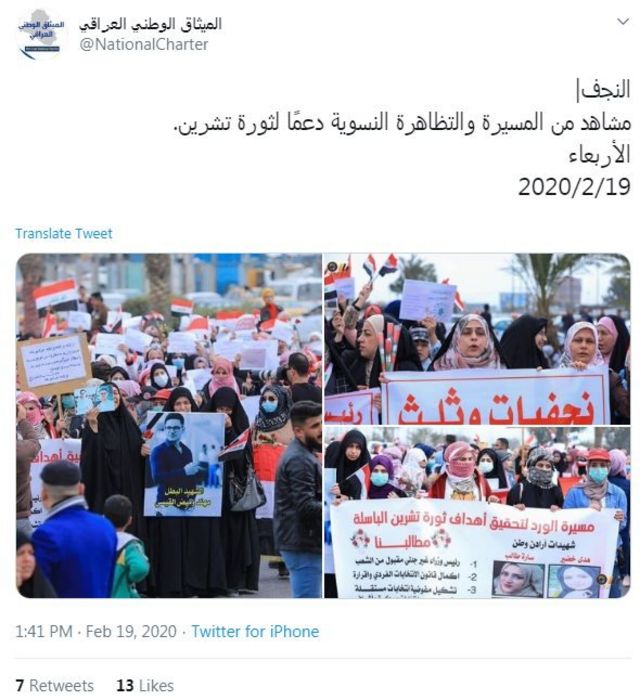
<point>421,299</point>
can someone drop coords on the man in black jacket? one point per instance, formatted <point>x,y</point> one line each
<point>297,516</point>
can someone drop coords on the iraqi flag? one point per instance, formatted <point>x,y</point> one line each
<point>236,447</point>
<point>363,475</point>
<point>343,270</point>
<point>390,265</point>
<point>49,326</point>
<point>457,300</point>
<point>181,307</point>
<point>330,294</point>
<point>59,296</point>
<point>370,266</point>
<point>198,323</point>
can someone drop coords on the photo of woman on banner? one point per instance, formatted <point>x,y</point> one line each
<point>518,580</point>
<point>574,581</point>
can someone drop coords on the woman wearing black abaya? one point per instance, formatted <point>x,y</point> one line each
<point>111,460</point>
<point>365,365</point>
<point>522,343</point>
<point>186,553</point>
<point>239,530</point>
<point>351,455</point>
<point>490,466</point>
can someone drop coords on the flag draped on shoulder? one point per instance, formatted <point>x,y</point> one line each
<point>236,447</point>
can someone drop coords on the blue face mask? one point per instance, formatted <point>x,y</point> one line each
<point>269,406</point>
<point>598,474</point>
<point>379,478</point>
<point>431,462</point>
<point>178,362</point>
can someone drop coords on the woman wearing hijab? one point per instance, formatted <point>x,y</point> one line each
<point>538,489</point>
<point>411,476</point>
<point>470,344</point>
<point>560,463</point>
<point>159,376</point>
<point>381,476</point>
<point>270,435</point>
<point>521,580</point>
<point>461,480</point>
<point>364,364</point>
<point>239,530</point>
<point>348,456</point>
<point>31,582</point>
<point>598,492</point>
<point>112,461</point>
<point>618,477</point>
<point>35,414</point>
<point>613,341</point>
<point>490,466</point>
<point>578,581</point>
<point>522,342</point>
<point>581,351</point>
<point>222,375</point>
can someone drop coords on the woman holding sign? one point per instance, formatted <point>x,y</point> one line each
<point>461,480</point>
<point>538,489</point>
<point>471,344</point>
<point>112,461</point>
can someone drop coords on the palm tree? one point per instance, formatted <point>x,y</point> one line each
<point>158,271</point>
<point>413,268</point>
<point>542,274</point>
<point>620,286</point>
<point>32,271</point>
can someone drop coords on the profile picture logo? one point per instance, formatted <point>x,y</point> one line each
<point>40,35</point>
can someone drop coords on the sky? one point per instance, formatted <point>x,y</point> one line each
<point>480,277</point>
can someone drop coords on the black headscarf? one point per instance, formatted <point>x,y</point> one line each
<point>619,352</point>
<point>227,398</point>
<point>518,343</point>
<point>407,358</point>
<point>270,422</point>
<point>345,467</point>
<point>111,463</point>
<point>38,586</point>
<point>498,470</point>
<point>163,367</point>
<point>178,393</point>
<point>116,369</point>
<point>562,465</point>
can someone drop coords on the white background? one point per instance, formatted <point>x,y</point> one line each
<point>88,140</point>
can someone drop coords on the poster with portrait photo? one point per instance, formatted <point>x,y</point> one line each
<point>515,580</point>
<point>185,472</point>
<point>574,581</point>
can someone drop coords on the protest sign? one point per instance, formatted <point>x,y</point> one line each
<point>423,548</point>
<point>345,286</point>
<point>107,343</point>
<point>199,377</point>
<point>282,331</point>
<point>497,397</point>
<point>328,480</point>
<point>89,397</point>
<point>184,465</point>
<point>353,408</point>
<point>114,316</point>
<point>251,405</point>
<point>137,340</point>
<point>78,319</point>
<point>182,342</point>
<point>259,355</point>
<point>421,299</point>
<point>50,451</point>
<point>228,349</point>
<point>57,365</point>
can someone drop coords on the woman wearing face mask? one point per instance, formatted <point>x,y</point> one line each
<point>470,344</point>
<point>271,433</point>
<point>538,489</point>
<point>522,343</point>
<point>490,466</point>
<point>112,460</point>
<point>159,377</point>
<point>460,479</point>
<point>35,414</point>
<point>239,530</point>
<point>598,492</point>
<point>381,476</point>
<point>351,454</point>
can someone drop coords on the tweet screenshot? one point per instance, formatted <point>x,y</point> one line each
<point>320,352</point>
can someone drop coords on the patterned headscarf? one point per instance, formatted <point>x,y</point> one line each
<point>452,358</point>
<point>540,477</point>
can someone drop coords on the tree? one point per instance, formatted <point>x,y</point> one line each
<point>619,291</point>
<point>542,274</point>
<point>158,270</point>
<point>32,271</point>
<point>413,268</point>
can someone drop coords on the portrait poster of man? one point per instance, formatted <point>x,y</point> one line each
<point>185,473</point>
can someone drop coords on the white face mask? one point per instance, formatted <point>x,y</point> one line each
<point>485,466</point>
<point>161,379</point>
